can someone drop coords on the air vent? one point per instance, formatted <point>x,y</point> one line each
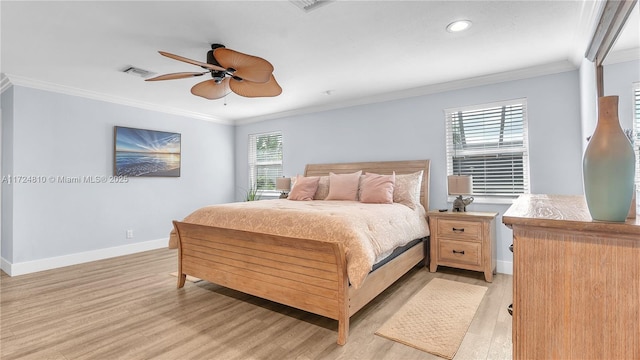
<point>131,70</point>
<point>308,5</point>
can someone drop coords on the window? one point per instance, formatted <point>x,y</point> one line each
<point>265,160</point>
<point>490,143</point>
<point>636,125</point>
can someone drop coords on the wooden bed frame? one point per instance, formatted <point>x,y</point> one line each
<point>306,274</point>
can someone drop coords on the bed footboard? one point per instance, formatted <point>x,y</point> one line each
<point>306,274</point>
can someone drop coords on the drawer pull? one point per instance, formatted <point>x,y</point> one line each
<point>458,229</point>
<point>458,252</point>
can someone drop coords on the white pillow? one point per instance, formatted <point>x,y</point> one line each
<point>323,188</point>
<point>407,189</point>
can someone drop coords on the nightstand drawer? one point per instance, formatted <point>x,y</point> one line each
<point>460,229</point>
<point>461,252</point>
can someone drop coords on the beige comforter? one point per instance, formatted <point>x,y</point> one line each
<point>369,232</point>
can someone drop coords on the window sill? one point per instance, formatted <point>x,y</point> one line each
<point>485,200</point>
<point>267,194</point>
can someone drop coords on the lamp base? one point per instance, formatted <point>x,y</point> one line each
<point>460,204</point>
<point>284,195</point>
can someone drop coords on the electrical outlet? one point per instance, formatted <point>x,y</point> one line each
<point>129,234</point>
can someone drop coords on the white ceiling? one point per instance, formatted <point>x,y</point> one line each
<point>360,51</point>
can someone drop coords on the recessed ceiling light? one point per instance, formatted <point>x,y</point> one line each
<point>459,25</point>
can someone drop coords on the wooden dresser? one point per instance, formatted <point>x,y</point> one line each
<point>465,240</point>
<point>576,282</point>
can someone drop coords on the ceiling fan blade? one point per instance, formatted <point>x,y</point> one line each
<point>252,89</point>
<point>180,75</point>
<point>248,67</point>
<point>194,62</point>
<point>208,89</point>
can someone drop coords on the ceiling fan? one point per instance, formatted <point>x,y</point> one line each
<point>245,75</point>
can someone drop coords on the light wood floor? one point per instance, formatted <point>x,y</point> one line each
<point>129,308</point>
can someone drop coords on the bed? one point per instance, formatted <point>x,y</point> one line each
<point>305,273</point>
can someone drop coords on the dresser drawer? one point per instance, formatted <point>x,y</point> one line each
<point>460,229</point>
<point>461,252</point>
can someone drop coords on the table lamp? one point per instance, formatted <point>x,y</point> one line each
<point>283,185</point>
<point>459,185</point>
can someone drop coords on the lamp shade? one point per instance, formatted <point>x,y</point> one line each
<point>283,184</point>
<point>460,184</point>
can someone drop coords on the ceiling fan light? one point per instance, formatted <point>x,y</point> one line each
<point>458,25</point>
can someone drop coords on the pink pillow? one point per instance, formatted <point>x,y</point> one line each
<point>343,186</point>
<point>377,189</point>
<point>304,188</point>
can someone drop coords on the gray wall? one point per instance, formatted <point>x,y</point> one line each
<point>588,101</point>
<point>6,248</point>
<point>618,80</point>
<point>51,134</point>
<point>414,128</point>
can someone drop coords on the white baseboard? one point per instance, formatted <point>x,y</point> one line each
<point>504,267</point>
<point>5,265</point>
<point>29,267</point>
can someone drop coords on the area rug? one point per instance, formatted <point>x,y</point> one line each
<point>436,319</point>
<point>189,277</point>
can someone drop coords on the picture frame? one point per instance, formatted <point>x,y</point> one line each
<point>146,153</point>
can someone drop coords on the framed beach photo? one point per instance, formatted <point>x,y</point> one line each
<point>140,152</point>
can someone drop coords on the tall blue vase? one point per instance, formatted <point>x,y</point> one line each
<point>608,166</point>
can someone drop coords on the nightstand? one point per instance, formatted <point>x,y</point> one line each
<point>464,240</point>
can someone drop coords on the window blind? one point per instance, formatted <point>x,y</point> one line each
<point>265,160</point>
<point>490,143</point>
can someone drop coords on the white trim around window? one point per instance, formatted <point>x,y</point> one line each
<point>265,162</point>
<point>490,143</point>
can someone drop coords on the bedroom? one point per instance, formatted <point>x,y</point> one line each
<point>70,134</point>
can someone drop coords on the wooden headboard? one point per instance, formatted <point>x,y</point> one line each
<point>381,167</point>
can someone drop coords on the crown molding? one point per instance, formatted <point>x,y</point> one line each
<point>8,79</point>
<point>620,56</point>
<point>535,71</point>
<point>530,72</point>
<point>4,83</point>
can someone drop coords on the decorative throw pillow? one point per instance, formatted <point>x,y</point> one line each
<point>323,188</point>
<point>377,189</point>
<point>343,186</point>
<point>304,188</point>
<point>407,189</point>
